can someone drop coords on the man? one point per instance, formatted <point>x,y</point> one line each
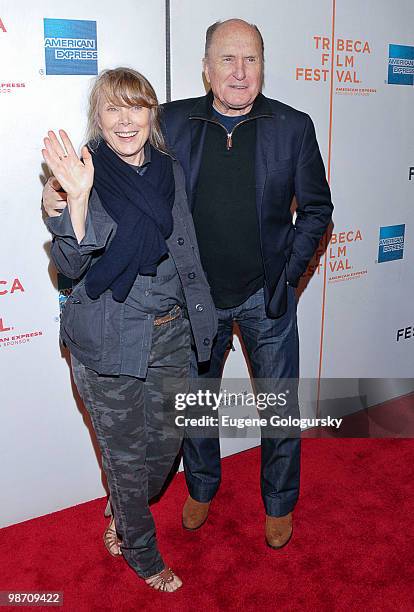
<point>240,184</point>
<point>245,157</point>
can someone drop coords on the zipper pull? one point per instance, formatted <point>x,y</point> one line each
<point>229,141</point>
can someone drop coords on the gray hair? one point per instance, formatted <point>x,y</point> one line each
<point>211,29</point>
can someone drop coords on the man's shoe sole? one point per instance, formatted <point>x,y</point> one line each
<point>193,528</point>
<point>283,545</point>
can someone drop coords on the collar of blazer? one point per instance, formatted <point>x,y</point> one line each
<point>203,111</point>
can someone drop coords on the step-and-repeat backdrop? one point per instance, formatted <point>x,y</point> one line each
<point>350,66</point>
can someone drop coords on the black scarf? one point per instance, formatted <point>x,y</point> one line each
<point>142,208</point>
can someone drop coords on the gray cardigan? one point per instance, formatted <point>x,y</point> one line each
<point>100,333</point>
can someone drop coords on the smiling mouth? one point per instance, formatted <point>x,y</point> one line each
<point>126,134</point>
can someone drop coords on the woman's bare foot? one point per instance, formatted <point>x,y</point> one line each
<point>111,541</point>
<point>164,581</point>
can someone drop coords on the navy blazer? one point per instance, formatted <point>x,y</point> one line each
<point>288,163</point>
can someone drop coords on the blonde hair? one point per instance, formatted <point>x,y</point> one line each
<point>124,86</point>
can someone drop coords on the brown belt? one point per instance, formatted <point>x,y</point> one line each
<point>173,314</point>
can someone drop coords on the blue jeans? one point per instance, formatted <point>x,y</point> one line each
<point>272,346</point>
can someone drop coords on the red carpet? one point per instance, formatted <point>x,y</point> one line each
<point>352,547</point>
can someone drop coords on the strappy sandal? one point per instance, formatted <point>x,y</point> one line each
<point>160,581</point>
<point>111,541</point>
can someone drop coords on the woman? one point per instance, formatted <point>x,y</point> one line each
<point>127,233</point>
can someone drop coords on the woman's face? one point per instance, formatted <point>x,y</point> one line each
<point>125,129</point>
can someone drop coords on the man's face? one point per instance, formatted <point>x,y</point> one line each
<point>234,68</point>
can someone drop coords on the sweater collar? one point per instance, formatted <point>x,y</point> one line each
<point>203,108</point>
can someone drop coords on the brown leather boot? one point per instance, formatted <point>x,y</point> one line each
<point>194,513</point>
<point>278,530</point>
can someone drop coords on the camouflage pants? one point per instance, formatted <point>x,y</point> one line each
<point>134,422</point>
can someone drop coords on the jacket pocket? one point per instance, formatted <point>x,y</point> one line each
<point>82,322</point>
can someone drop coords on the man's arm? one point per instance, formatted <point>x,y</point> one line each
<point>54,199</point>
<point>314,210</point>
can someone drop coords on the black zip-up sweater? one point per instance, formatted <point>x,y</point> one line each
<point>225,215</point>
